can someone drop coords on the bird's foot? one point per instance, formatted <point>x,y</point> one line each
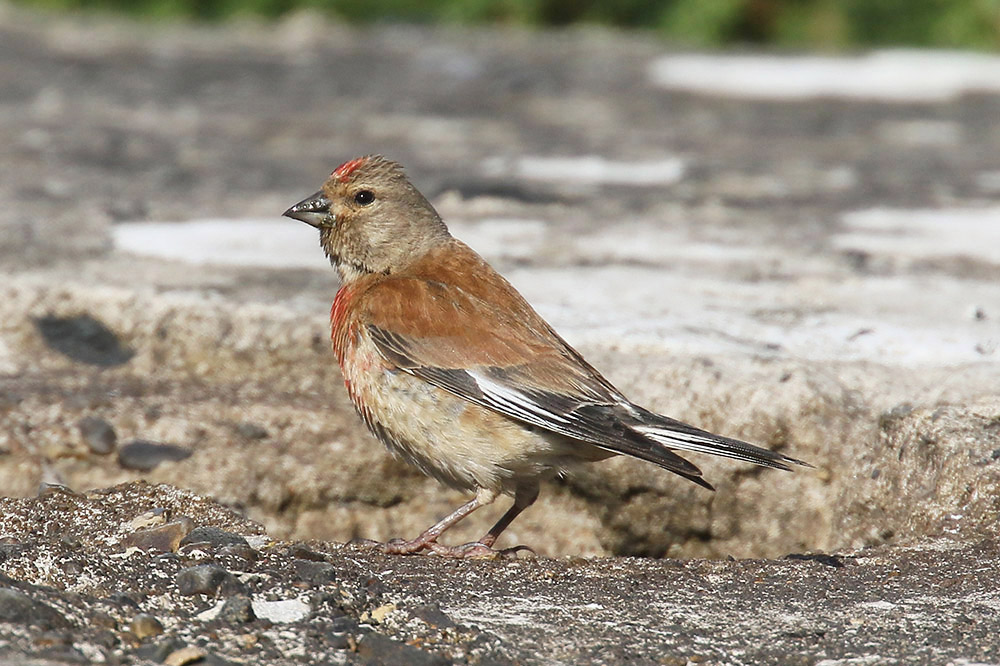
<point>392,546</point>
<point>404,547</point>
<point>477,551</point>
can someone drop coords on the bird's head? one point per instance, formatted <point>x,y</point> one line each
<point>371,218</point>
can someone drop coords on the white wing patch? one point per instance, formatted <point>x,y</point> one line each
<point>516,403</point>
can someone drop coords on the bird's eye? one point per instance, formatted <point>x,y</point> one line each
<point>364,197</point>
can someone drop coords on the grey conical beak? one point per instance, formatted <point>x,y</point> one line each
<point>314,210</point>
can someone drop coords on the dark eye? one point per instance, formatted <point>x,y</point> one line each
<point>364,197</point>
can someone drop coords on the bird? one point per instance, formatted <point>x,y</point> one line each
<point>452,369</point>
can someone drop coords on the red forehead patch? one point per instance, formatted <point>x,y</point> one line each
<point>342,172</point>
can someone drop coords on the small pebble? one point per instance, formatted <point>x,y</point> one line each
<point>55,487</point>
<point>163,539</point>
<point>10,549</point>
<point>238,609</point>
<point>123,601</point>
<point>97,434</point>
<point>299,551</point>
<point>341,633</point>
<point>434,616</point>
<point>238,551</point>
<point>282,611</point>
<point>151,518</point>
<point>315,573</point>
<point>338,641</point>
<point>380,648</point>
<point>213,537</point>
<point>202,579</point>
<point>144,455</point>
<point>104,620</point>
<point>17,607</point>
<point>144,625</point>
<point>378,615</point>
<point>72,568</point>
<point>83,339</point>
<point>157,651</point>
<point>186,655</point>
<point>249,430</point>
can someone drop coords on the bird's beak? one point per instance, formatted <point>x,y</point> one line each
<point>314,210</point>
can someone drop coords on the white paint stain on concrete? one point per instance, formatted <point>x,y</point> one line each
<point>588,170</point>
<point>887,76</point>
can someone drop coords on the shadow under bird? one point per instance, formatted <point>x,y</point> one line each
<point>454,371</point>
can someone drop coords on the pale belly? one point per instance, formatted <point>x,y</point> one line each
<point>451,439</point>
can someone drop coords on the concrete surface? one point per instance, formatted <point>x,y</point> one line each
<point>95,587</point>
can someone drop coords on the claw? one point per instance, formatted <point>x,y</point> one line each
<point>477,551</point>
<point>512,553</point>
<point>365,543</point>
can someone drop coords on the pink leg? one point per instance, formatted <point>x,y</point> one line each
<point>430,535</point>
<point>523,498</point>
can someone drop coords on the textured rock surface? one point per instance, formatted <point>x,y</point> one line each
<point>73,591</point>
<point>816,276</point>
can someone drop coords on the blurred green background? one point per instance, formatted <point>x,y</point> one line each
<point>823,24</point>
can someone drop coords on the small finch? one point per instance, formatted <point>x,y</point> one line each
<point>450,367</point>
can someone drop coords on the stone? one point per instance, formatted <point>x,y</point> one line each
<point>315,573</point>
<point>378,615</point>
<point>184,656</point>
<point>152,518</point>
<point>10,549</point>
<point>165,538</point>
<point>17,607</point>
<point>205,579</point>
<point>104,620</point>
<point>342,633</point>
<point>237,609</point>
<point>98,434</point>
<point>144,625</point>
<point>213,538</point>
<point>158,651</point>
<point>380,648</point>
<point>251,431</point>
<point>83,339</point>
<point>144,455</point>
<point>281,611</point>
<point>433,615</point>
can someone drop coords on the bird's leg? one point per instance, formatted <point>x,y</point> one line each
<point>427,539</point>
<point>523,498</point>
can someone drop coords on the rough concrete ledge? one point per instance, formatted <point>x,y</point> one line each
<point>255,411</point>
<point>143,574</point>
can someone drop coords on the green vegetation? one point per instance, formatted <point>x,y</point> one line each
<point>795,23</point>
